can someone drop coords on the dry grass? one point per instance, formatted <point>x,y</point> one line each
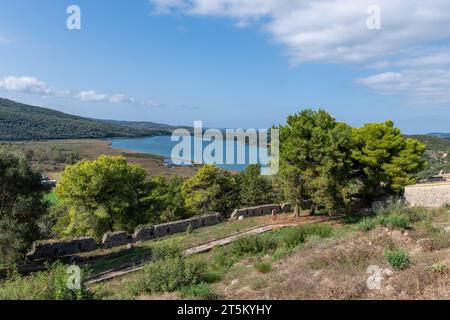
<point>91,149</point>
<point>337,270</point>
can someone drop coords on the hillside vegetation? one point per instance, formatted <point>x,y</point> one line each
<point>437,155</point>
<point>24,122</point>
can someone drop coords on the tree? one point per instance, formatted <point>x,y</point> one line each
<point>107,194</point>
<point>385,160</point>
<point>166,200</point>
<point>21,205</point>
<point>211,189</point>
<point>315,159</point>
<point>255,189</point>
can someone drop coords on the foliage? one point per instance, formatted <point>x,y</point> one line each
<point>46,285</point>
<point>253,245</point>
<point>166,250</point>
<point>384,159</point>
<point>169,275</point>
<point>398,258</point>
<point>166,198</point>
<point>107,194</point>
<point>211,190</point>
<point>21,205</point>
<point>255,189</point>
<point>24,122</point>
<point>292,237</point>
<point>315,158</point>
<point>263,267</point>
<point>201,291</point>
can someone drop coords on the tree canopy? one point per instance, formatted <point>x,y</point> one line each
<point>21,204</point>
<point>315,158</point>
<point>103,195</point>
<point>385,160</point>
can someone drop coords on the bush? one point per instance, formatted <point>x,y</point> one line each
<point>253,245</point>
<point>263,267</point>
<point>170,275</point>
<point>398,258</point>
<point>166,249</point>
<point>368,224</point>
<point>397,221</point>
<point>200,291</point>
<point>292,237</point>
<point>47,285</point>
<point>189,229</point>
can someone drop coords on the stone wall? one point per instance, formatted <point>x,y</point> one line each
<point>260,210</point>
<point>116,239</point>
<point>428,195</point>
<point>162,230</point>
<point>55,248</point>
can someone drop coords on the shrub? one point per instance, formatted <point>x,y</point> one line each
<point>439,268</point>
<point>396,221</point>
<point>253,245</point>
<point>189,229</point>
<point>170,275</point>
<point>201,291</point>
<point>166,249</point>
<point>46,285</point>
<point>398,258</point>
<point>292,237</point>
<point>263,267</point>
<point>368,224</point>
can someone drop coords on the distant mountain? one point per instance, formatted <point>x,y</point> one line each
<point>440,135</point>
<point>20,121</point>
<point>148,125</point>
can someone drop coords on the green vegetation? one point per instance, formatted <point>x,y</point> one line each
<point>47,285</point>
<point>385,160</point>
<point>103,195</point>
<point>24,122</point>
<point>21,206</point>
<point>395,215</point>
<point>437,156</point>
<point>398,258</point>
<point>169,275</point>
<point>315,155</point>
<point>211,189</point>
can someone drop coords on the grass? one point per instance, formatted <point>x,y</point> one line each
<point>46,285</point>
<point>263,267</point>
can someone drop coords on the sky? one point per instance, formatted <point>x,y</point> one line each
<point>231,63</point>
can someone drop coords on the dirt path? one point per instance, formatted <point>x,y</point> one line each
<point>207,246</point>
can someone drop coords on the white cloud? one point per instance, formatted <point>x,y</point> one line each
<point>330,30</point>
<point>32,85</point>
<point>27,85</point>
<point>92,95</point>
<point>421,86</point>
<point>335,31</point>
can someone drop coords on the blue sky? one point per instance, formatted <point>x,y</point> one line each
<point>230,63</point>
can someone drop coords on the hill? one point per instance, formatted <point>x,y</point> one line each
<point>20,121</point>
<point>437,155</point>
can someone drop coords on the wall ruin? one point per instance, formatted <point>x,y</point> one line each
<point>260,211</point>
<point>428,195</point>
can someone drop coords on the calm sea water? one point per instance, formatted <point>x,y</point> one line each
<point>162,146</point>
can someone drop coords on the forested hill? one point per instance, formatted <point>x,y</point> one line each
<point>24,122</point>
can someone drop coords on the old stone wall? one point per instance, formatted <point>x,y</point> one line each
<point>260,210</point>
<point>161,230</point>
<point>55,248</point>
<point>116,239</point>
<point>428,195</point>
